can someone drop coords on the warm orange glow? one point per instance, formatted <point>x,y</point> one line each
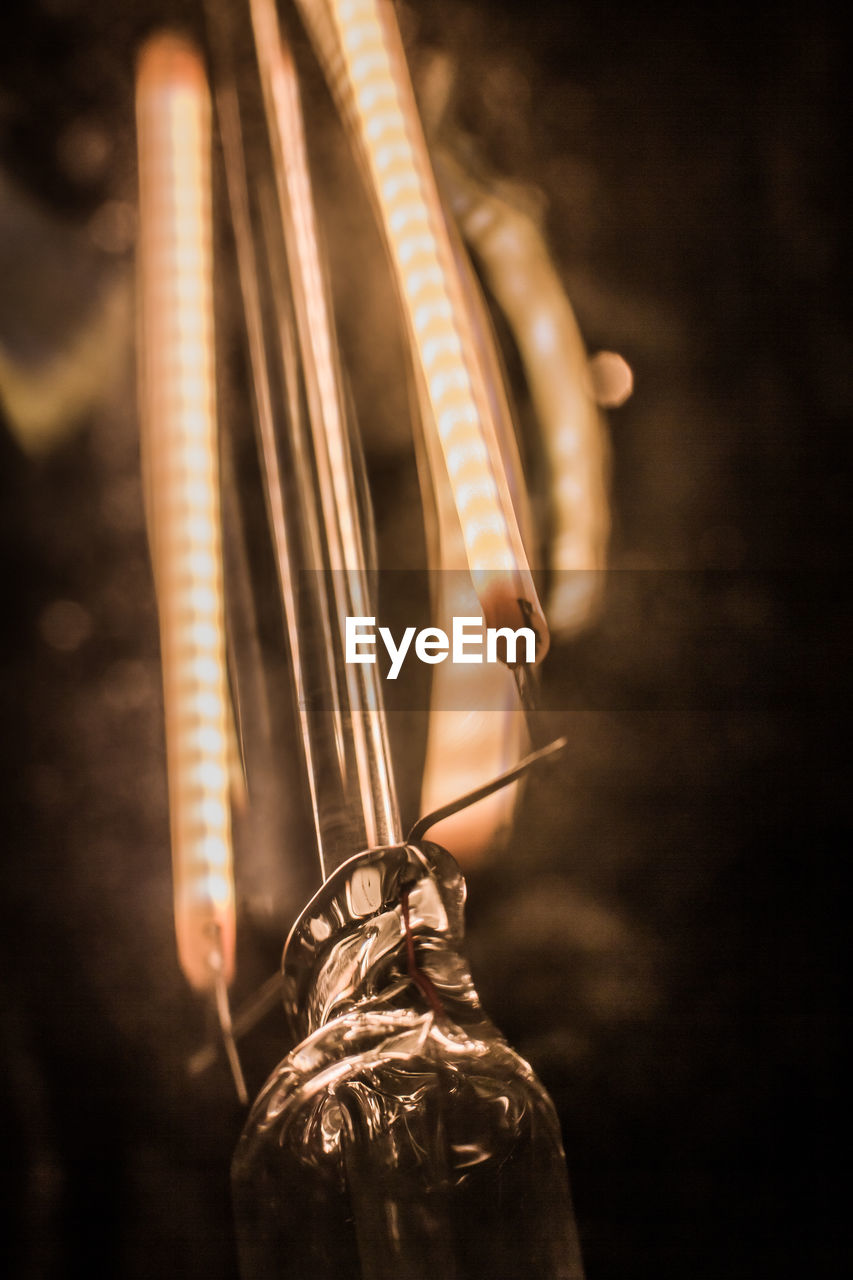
<point>612,379</point>
<point>466,748</point>
<point>361,48</point>
<point>476,728</point>
<point>566,392</point>
<point>473,833</point>
<point>180,457</point>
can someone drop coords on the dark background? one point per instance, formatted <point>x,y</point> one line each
<point>663,938</point>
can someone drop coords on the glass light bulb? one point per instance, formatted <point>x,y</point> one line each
<point>403,1139</point>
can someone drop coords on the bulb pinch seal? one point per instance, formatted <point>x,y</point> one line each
<point>402,1136</point>
<point>386,921</point>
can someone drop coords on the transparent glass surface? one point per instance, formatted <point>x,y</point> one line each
<point>402,1137</point>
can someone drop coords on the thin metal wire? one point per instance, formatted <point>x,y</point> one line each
<point>269,995</point>
<point>303,441</point>
<point>420,828</point>
<point>338,502</point>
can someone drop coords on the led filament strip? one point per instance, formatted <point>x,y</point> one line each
<point>180,462</point>
<point>360,46</point>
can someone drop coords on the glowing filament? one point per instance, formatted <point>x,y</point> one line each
<point>362,51</point>
<point>179,443</point>
<point>515,262</point>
